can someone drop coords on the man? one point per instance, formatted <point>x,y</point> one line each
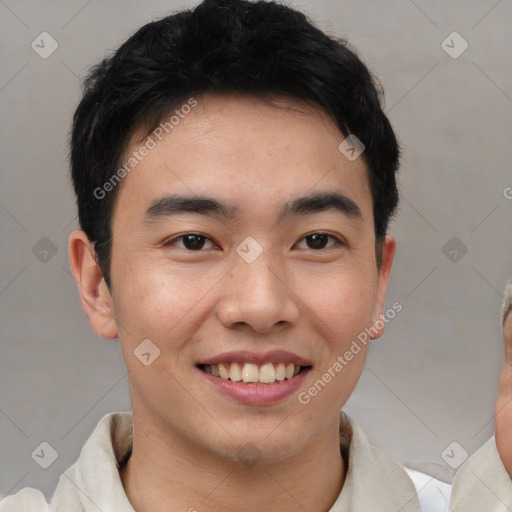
<point>483,483</point>
<point>235,177</point>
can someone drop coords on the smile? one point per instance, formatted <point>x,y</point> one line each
<point>251,373</point>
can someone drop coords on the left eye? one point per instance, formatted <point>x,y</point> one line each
<point>319,240</point>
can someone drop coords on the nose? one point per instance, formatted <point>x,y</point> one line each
<point>257,296</point>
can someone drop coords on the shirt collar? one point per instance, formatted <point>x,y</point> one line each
<point>482,482</point>
<point>373,481</point>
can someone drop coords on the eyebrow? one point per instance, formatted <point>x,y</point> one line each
<point>175,204</point>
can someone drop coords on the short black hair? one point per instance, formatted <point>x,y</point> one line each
<point>258,48</point>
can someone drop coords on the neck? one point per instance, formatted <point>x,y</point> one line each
<point>163,473</point>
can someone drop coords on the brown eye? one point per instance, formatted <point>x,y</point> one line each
<point>193,242</point>
<point>190,241</point>
<point>318,241</point>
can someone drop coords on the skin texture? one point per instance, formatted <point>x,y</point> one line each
<point>503,409</point>
<point>197,304</point>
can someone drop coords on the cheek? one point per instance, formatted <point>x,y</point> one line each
<point>150,303</point>
<point>341,302</point>
<point>342,306</point>
<point>155,313</point>
<point>331,385</point>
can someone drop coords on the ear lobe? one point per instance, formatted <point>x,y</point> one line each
<point>94,294</point>
<point>388,253</point>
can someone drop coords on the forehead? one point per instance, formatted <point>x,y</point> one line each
<point>243,151</point>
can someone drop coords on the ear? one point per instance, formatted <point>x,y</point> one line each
<point>94,294</point>
<point>507,338</point>
<point>388,253</point>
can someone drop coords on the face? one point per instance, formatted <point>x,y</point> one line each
<point>263,267</point>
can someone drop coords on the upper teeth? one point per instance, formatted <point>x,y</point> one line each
<point>267,373</point>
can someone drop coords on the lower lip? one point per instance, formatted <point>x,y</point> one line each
<point>252,394</point>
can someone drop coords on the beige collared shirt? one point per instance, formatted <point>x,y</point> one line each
<point>373,481</point>
<point>482,484</point>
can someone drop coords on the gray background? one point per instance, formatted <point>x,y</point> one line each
<point>432,378</point>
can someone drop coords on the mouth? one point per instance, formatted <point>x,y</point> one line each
<point>252,373</point>
<point>255,378</point>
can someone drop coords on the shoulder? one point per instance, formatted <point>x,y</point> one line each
<point>375,479</point>
<point>24,500</point>
<point>95,473</point>
<point>482,482</point>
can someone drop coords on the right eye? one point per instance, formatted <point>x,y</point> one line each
<point>190,241</point>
